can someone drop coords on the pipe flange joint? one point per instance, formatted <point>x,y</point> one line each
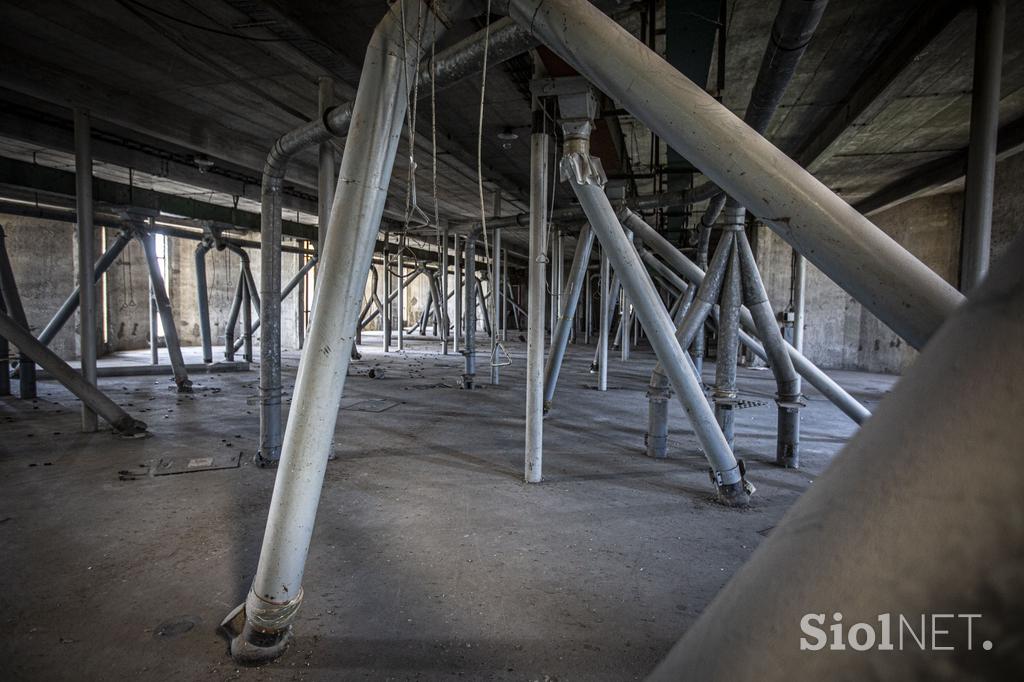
<point>734,490</point>
<point>659,395</point>
<point>790,402</point>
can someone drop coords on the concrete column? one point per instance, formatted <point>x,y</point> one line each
<point>86,256</point>
<point>981,154</point>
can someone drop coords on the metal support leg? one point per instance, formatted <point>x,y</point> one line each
<point>981,152</point>
<point>163,306</point>
<point>203,301</point>
<point>5,357</point>
<point>13,305</point>
<point>86,256</point>
<point>97,401</point>
<point>385,323</point>
<point>366,168</point>
<point>725,395</point>
<point>457,269</point>
<point>560,337</point>
<point>604,323</point>
<point>400,265</point>
<point>445,337</point>
<point>539,145</point>
<point>495,305</point>
<point>587,181</point>
<point>469,352</point>
<point>787,452</point>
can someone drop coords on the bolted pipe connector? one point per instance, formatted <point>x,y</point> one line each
<point>259,631</point>
<point>787,452</point>
<point>656,438</point>
<point>734,490</point>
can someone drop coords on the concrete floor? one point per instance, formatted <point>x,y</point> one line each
<point>431,558</point>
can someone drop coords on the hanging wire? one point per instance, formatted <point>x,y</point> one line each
<point>480,132</point>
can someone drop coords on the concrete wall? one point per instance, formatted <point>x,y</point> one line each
<point>839,333</point>
<point>43,255</point>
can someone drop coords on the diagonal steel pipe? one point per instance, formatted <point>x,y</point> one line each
<point>377,116</point>
<point>693,274</point>
<point>868,264</point>
<point>587,179</point>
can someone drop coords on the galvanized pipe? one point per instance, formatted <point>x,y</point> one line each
<point>604,323</point>
<point>890,282</point>
<point>95,399</point>
<point>366,167</point>
<point>495,305</point>
<point>457,289</point>
<point>587,180</point>
<point>960,551</point>
<point>469,350</point>
<point>400,266</point>
<point>725,394</point>
<point>560,337</point>
<point>14,307</point>
<point>154,329</point>
<point>163,307</point>
<point>86,256</point>
<point>385,322</point>
<point>981,151</point>
<point>693,274</point>
<point>540,139</point>
<point>247,325</point>
<point>203,300</point>
<point>787,452</point>
<point>445,338</point>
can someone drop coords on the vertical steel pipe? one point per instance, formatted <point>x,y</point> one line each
<point>203,300</point>
<point>457,289</point>
<point>898,288</point>
<point>560,336</point>
<point>469,349</point>
<point>247,326</point>
<point>385,322</point>
<point>725,394</point>
<point>540,139</point>
<point>981,151</point>
<point>400,265</point>
<point>86,256</point>
<point>604,323</point>
<point>495,305</point>
<point>445,337</point>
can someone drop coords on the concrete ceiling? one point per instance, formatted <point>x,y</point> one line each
<point>882,92</point>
